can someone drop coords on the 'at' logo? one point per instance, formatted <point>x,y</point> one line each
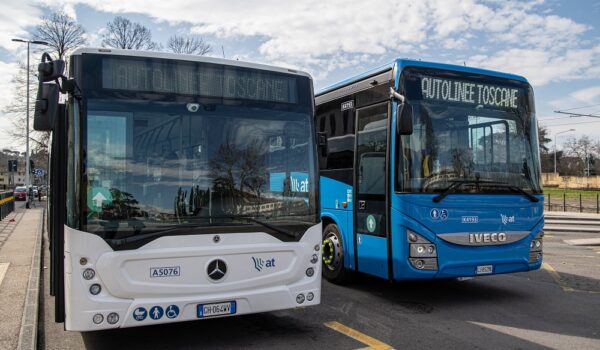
<point>260,264</point>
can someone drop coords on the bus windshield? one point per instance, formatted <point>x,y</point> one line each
<point>474,131</point>
<point>151,166</point>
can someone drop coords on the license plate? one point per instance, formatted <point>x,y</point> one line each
<point>216,309</point>
<point>485,269</point>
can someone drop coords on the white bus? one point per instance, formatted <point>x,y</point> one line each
<point>182,188</point>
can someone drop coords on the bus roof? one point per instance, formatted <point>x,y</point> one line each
<point>404,62</point>
<point>185,57</point>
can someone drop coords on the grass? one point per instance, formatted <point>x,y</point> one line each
<point>552,191</point>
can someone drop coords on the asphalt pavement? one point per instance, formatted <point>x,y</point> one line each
<point>555,307</point>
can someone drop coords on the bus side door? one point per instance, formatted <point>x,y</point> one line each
<point>370,206</point>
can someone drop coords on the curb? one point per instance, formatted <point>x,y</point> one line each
<point>29,323</point>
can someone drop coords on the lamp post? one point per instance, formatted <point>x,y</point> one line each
<point>555,135</point>
<point>27,170</point>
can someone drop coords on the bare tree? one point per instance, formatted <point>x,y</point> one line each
<point>121,33</point>
<point>583,148</point>
<point>61,32</point>
<point>193,45</point>
<point>17,109</point>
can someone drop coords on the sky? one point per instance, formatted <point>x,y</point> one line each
<point>555,44</point>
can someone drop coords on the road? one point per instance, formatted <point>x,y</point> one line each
<point>555,307</point>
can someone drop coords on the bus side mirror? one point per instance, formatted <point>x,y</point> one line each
<point>46,107</point>
<point>404,119</point>
<point>322,143</point>
<point>50,70</point>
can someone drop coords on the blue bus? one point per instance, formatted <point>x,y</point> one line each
<point>429,171</point>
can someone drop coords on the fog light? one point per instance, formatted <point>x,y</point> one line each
<point>317,247</point>
<point>88,274</point>
<point>420,249</point>
<point>310,296</point>
<point>83,261</point>
<point>112,318</point>
<point>310,272</point>
<point>419,264</point>
<point>314,258</point>
<point>300,298</point>
<point>98,318</point>
<point>95,289</point>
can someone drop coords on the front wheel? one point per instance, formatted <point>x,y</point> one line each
<point>333,255</point>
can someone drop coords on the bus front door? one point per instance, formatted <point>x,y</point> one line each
<point>370,209</point>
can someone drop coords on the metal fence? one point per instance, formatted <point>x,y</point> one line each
<point>7,204</point>
<point>586,203</point>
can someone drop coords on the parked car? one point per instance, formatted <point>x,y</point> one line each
<point>20,193</point>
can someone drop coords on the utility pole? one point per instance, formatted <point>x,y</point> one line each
<point>27,170</point>
<point>555,136</point>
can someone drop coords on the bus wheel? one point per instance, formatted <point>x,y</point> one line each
<point>333,255</point>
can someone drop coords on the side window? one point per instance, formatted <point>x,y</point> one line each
<point>339,127</point>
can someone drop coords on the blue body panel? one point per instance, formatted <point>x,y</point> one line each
<point>413,211</point>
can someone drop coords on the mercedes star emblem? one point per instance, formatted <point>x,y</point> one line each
<point>217,269</point>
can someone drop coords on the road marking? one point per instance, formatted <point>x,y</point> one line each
<point>547,339</point>
<point>372,343</point>
<point>556,277</point>
<point>3,269</point>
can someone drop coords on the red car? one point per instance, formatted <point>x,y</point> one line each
<point>20,193</point>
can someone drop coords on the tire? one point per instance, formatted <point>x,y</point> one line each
<point>333,256</point>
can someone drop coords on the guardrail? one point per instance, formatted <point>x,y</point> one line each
<point>7,204</point>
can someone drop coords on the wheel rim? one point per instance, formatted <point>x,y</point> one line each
<point>332,253</point>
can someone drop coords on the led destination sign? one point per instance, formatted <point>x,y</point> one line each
<point>199,79</point>
<point>466,92</point>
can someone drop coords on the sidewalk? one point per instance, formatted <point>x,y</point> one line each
<point>20,262</point>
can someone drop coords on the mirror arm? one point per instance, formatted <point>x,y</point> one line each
<point>396,95</point>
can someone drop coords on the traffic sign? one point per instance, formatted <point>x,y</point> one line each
<point>38,172</point>
<point>98,197</point>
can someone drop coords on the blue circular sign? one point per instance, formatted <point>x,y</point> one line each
<point>156,312</point>
<point>172,311</point>
<point>443,214</point>
<point>140,314</point>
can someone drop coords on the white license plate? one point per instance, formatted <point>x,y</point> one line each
<point>216,309</point>
<point>485,269</point>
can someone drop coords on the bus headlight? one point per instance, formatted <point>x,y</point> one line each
<point>314,258</point>
<point>310,296</point>
<point>422,253</point>
<point>300,298</point>
<point>535,248</point>
<point>112,318</point>
<point>95,289</point>
<point>98,318</point>
<point>310,272</point>
<point>88,274</point>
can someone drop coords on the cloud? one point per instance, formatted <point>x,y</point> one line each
<point>511,35</point>
<point>521,36</point>
<point>588,95</point>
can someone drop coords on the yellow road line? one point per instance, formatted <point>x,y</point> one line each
<point>556,277</point>
<point>372,343</point>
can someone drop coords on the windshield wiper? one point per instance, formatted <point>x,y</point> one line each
<point>265,224</point>
<point>451,189</point>
<point>116,242</point>
<point>456,185</point>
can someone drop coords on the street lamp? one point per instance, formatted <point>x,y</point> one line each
<point>555,135</point>
<point>27,170</point>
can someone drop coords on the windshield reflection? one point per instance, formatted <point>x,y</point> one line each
<point>154,166</point>
<point>454,143</point>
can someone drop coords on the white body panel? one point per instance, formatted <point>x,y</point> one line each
<point>127,283</point>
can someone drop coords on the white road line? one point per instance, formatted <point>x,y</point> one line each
<point>3,269</point>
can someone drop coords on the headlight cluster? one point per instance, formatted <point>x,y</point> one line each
<point>535,248</point>
<point>422,253</point>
